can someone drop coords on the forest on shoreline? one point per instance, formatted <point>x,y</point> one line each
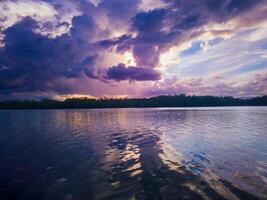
<point>159,101</point>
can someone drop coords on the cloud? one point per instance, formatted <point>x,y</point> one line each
<point>115,41</point>
<point>30,61</point>
<point>13,11</point>
<point>51,15</point>
<point>256,86</point>
<point>113,16</point>
<point>160,29</point>
<point>62,46</point>
<point>237,58</point>
<point>121,73</point>
<point>119,11</point>
<point>151,4</point>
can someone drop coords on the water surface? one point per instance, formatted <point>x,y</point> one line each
<point>155,153</point>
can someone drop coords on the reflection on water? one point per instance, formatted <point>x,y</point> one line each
<point>192,153</point>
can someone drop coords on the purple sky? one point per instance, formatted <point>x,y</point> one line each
<point>132,48</point>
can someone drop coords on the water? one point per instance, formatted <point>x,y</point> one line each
<point>189,153</point>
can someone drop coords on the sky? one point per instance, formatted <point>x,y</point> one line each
<point>132,48</point>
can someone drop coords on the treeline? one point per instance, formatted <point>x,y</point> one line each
<point>160,101</point>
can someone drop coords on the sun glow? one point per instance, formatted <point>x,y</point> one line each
<point>67,96</point>
<point>129,59</point>
<point>169,57</point>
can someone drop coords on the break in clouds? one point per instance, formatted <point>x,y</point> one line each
<point>108,47</point>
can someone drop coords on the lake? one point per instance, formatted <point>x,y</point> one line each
<point>150,153</point>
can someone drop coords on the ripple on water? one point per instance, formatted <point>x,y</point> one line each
<point>193,153</point>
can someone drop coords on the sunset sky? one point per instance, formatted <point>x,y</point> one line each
<point>132,48</point>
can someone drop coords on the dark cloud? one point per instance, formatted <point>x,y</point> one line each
<point>119,12</point>
<point>115,41</point>
<point>149,22</point>
<point>181,20</point>
<point>234,7</point>
<point>30,61</point>
<point>146,54</point>
<point>121,73</point>
<point>84,28</point>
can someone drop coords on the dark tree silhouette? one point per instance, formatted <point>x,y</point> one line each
<point>160,101</point>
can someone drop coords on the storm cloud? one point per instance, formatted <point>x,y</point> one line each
<point>30,61</point>
<point>121,72</point>
<point>180,21</point>
<point>108,41</point>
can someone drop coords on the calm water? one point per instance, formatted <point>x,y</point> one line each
<point>192,153</point>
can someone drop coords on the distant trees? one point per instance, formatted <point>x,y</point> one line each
<point>160,101</point>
